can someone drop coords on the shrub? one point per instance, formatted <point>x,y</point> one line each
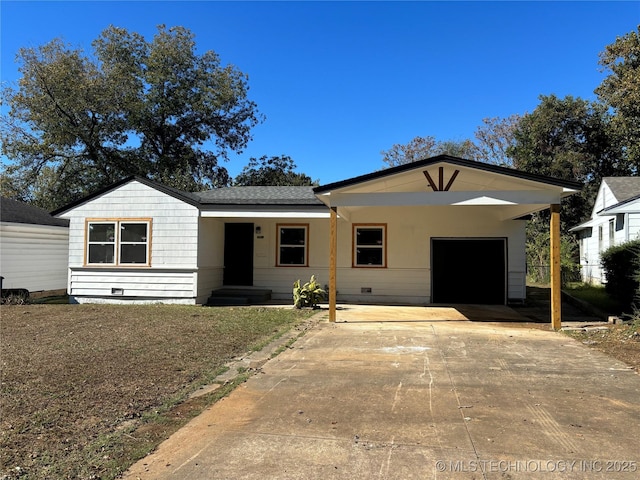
<point>622,269</point>
<point>636,306</point>
<point>14,296</point>
<point>309,294</point>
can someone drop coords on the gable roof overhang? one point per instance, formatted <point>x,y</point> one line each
<point>589,224</point>
<point>449,181</point>
<point>190,198</point>
<point>630,205</point>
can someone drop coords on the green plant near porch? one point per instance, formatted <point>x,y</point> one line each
<point>309,294</point>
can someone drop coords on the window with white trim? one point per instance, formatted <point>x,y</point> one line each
<point>118,242</point>
<point>293,245</point>
<point>369,245</point>
<point>600,238</point>
<point>612,232</point>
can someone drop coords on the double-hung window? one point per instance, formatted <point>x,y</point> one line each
<point>370,245</point>
<point>600,239</point>
<point>118,242</point>
<point>612,232</point>
<point>293,245</point>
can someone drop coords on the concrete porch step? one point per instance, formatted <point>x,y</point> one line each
<point>239,296</point>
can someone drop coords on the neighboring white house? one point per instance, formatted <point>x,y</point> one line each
<point>615,219</point>
<point>442,230</point>
<point>34,248</point>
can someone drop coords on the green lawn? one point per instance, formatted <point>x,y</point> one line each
<point>594,295</point>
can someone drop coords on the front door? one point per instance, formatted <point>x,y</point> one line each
<point>238,254</point>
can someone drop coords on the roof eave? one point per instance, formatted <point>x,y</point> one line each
<point>568,186</point>
<point>149,183</point>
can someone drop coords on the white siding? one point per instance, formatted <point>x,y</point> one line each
<point>592,247</point>
<point>604,199</point>
<point>174,248</point>
<point>407,278</point>
<point>626,228</point>
<point>34,257</point>
<point>210,257</point>
<point>130,283</point>
<point>634,226</point>
<point>590,257</point>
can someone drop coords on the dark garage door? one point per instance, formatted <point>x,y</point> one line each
<point>468,270</point>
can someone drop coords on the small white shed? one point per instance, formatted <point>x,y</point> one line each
<point>34,248</point>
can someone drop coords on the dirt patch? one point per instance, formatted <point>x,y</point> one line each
<point>88,389</point>
<point>621,342</point>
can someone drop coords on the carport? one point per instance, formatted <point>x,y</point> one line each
<point>454,193</point>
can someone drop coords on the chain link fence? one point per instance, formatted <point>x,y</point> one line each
<point>541,274</point>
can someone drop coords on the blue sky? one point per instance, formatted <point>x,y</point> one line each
<point>339,82</point>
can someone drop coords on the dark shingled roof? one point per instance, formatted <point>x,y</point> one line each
<point>623,188</point>
<point>268,195</point>
<point>19,212</point>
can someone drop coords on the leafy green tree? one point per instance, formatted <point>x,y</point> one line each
<point>155,109</point>
<point>620,90</point>
<point>272,171</point>
<point>570,139</point>
<point>538,252</point>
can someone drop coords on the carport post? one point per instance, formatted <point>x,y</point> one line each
<point>333,254</point>
<point>556,271</point>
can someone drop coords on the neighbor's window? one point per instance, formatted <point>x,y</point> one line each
<point>599,238</point>
<point>118,242</point>
<point>370,245</point>
<point>612,234</point>
<point>292,245</point>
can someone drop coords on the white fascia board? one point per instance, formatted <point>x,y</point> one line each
<point>263,214</point>
<point>505,197</point>
<point>630,208</point>
<point>584,225</point>
<point>325,198</point>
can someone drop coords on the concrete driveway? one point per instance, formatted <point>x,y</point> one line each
<point>422,396</point>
